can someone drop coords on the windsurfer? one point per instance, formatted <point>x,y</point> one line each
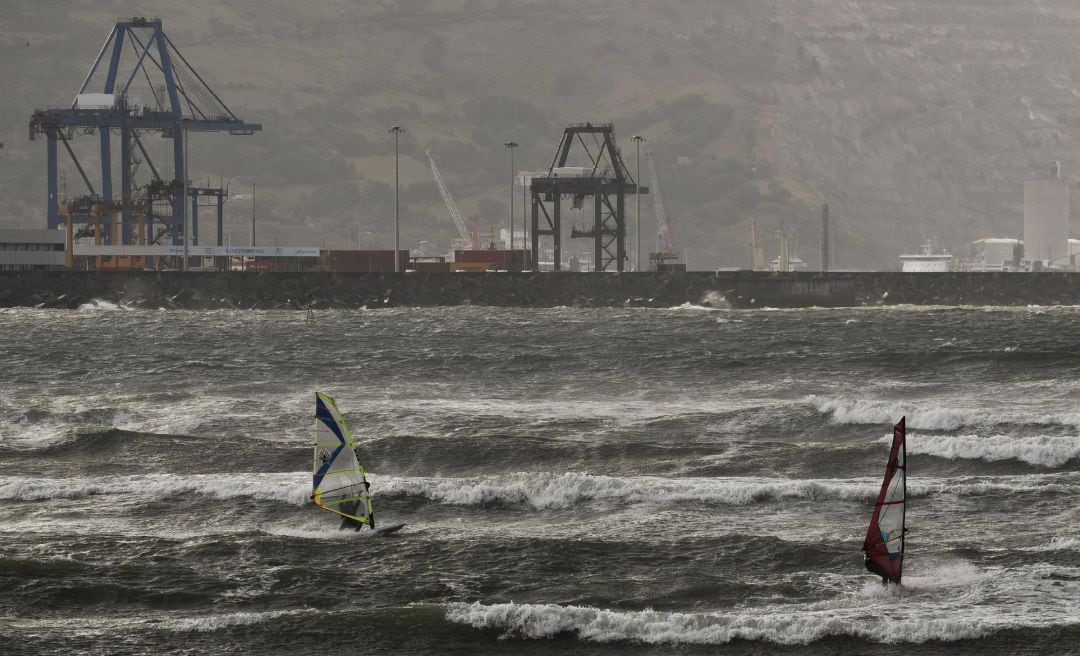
<point>349,522</point>
<point>872,567</point>
<point>371,513</point>
<point>353,508</point>
<point>883,548</point>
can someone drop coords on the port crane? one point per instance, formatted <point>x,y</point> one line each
<point>601,175</point>
<point>139,84</point>
<point>665,250</point>
<point>469,238</point>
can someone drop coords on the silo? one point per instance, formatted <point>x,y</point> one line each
<point>1046,219</point>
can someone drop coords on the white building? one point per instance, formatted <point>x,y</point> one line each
<point>24,250</point>
<point>1046,220</point>
<point>994,254</point>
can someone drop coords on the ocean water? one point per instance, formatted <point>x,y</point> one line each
<point>574,481</point>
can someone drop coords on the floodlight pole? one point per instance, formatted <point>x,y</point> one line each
<point>396,130</point>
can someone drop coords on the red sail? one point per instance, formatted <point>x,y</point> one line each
<point>884,545</point>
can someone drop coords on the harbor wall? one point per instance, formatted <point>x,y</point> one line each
<point>742,289</point>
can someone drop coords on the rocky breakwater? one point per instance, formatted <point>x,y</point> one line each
<point>739,289</point>
<point>273,290</point>
<point>965,288</point>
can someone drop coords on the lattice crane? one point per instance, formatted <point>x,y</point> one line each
<point>665,250</point>
<point>580,170</point>
<point>463,230</point>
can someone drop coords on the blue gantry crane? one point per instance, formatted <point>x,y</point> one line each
<point>139,84</point>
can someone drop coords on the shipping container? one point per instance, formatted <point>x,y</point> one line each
<point>498,259</point>
<point>671,267</point>
<point>362,261</point>
<point>429,264</point>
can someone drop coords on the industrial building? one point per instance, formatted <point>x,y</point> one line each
<point>1046,221</point>
<point>995,254</point>
<point>26,250</point>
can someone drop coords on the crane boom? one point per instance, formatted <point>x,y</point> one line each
<point>758,247</point>
<point>451,206</point>
<point>663,221</point>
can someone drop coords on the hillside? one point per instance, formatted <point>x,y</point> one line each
<point>912,119</point>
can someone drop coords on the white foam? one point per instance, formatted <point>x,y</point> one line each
<point>1042,450</point>
<point>286,488</point>
<point>214,622</point>
<point>550,490</point>
<point>109,626</point>
<point>209,415</point>
<point>69,415</point>
<point>787,626</point>
<point>991,485</point>
<point>695,308</point>
<point>1057,544</point>
<point>530,489</point>
<point>98,305</point>
<point>953,602</point>
<point>22,434</point>
<point>623,409</point>
<point>185,417</point>
<point>863,411</point>
<point>535,490</point>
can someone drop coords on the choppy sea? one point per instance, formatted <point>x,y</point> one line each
<point>574,481</point>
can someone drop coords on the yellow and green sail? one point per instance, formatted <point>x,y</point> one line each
<point>338,482</point>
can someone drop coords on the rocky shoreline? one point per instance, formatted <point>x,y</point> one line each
<point>738,289</point>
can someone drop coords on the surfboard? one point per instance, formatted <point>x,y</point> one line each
<point>386,530</point>
<point>884,543</point>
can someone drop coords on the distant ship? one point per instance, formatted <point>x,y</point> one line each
<point>928,261</point>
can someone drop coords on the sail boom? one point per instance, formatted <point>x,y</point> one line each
<point>361,518</point>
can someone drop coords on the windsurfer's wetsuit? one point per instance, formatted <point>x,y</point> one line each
<point>353,508</point>
<point>872,567</point>
<point>371,513</point>
<point>349,522</point>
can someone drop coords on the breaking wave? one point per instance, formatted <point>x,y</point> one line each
<point>1042,450</point>
<point>953,602</point>
<point>547,491</point>
<point>98,305</point>
<point>536,491</point>
<point>1057,544</point>
<point>694,307</point>
<point>215,622</point>
<point>551,491</point>
<point>786,626</point>
<point>848,411</point>
<point>287,488</point>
